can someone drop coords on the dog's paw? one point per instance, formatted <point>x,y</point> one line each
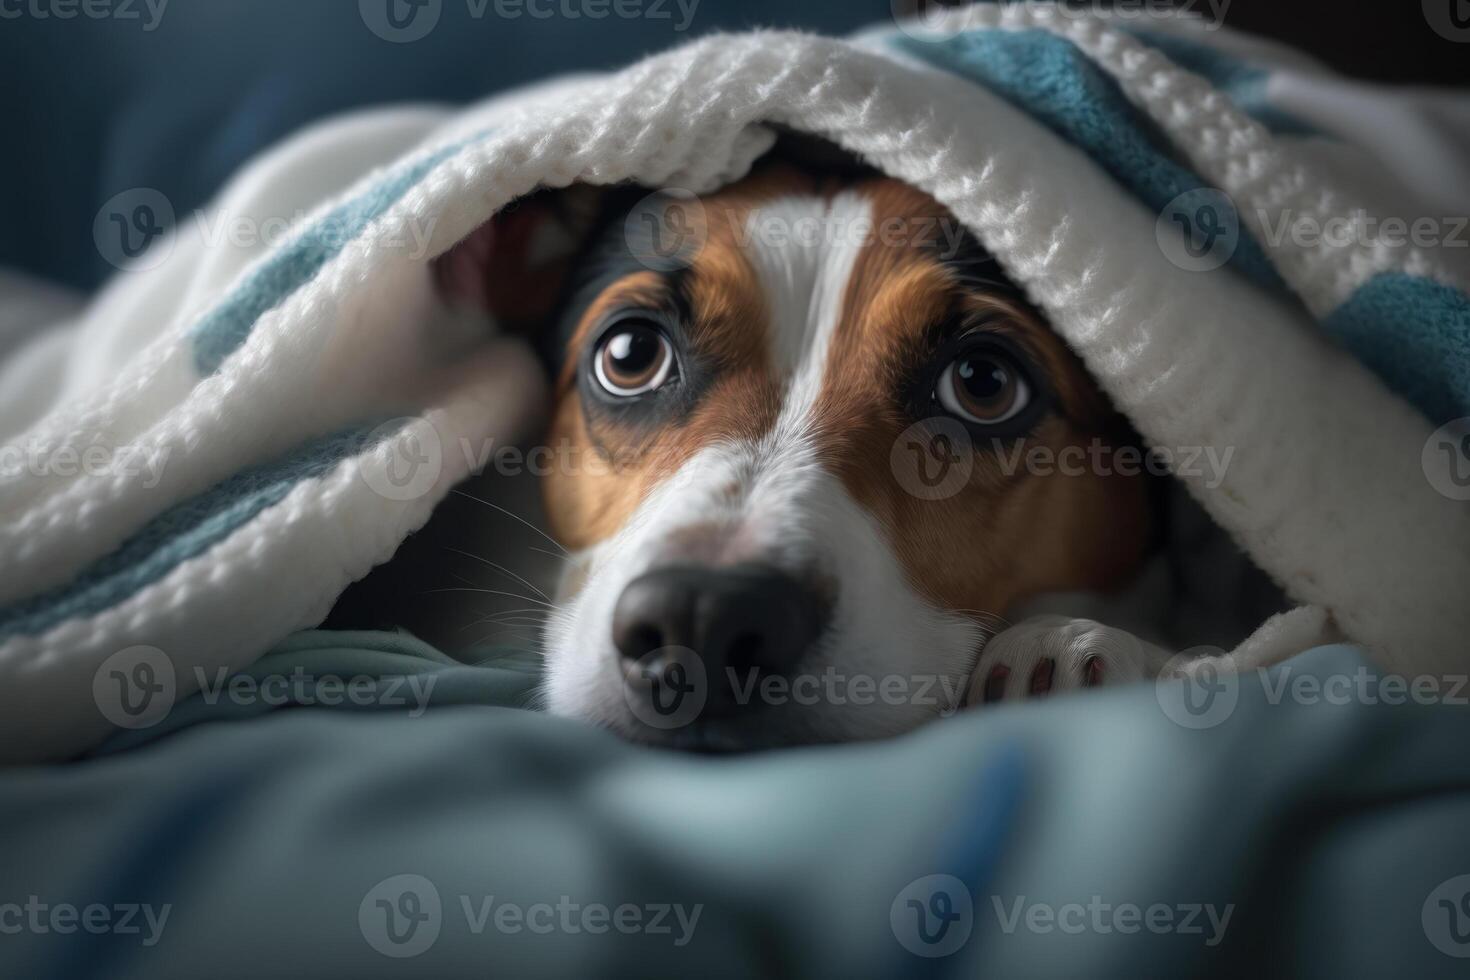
<point>1056,653</point>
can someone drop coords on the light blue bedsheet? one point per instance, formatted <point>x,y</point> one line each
<point>1096,835</point>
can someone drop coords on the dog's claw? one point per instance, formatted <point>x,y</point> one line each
<point>1092,671</point>
<point>1041,677</point>
<point>1056,654</point>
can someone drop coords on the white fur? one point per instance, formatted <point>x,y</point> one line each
<point>804,284</point>
<point>1069,643</point>
<point>791,513</point>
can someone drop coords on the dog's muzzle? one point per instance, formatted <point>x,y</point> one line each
<point>741,622</point>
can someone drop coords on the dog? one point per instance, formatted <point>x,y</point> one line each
<point>770,377</point>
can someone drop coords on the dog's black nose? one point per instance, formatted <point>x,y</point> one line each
<point>738,619</point>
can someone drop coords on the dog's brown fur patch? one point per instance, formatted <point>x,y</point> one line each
<point>1003,538</point>
<point>729,327</point>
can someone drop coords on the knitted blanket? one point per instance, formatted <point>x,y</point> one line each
<point>241,424</point>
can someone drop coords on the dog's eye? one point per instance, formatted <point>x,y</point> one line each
<point>984,385</point>
<point>632,358</point>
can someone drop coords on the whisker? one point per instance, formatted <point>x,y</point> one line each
<point>509,595</point>
<point>528,622</point>
<point>513,631</point>
<point>506,619</point>
<point>530,641</point>
<point>499,568</point>
<point>512,516</point>
<point>539,613</point>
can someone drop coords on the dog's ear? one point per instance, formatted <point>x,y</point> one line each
<point>515,266</point>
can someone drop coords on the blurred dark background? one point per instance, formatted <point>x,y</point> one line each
<point>175,98</point>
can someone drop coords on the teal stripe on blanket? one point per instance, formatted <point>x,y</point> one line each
<point>1060,86</point>
<point>1412,332</point>
<point>185,531</point>
<point>1244,82</point>
<point>225,327</point>
<point>1415,334</point>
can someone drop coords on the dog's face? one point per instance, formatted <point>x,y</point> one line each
<point>762,497</point>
